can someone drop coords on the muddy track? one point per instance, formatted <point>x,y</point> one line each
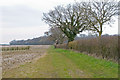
<point>12,59</point>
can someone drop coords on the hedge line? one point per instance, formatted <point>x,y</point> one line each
<point>15,48</point>
<point>106,47</point>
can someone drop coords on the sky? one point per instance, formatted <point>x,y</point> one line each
<point>22,19</point>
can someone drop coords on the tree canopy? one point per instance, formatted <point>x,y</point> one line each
<point>69,19</point>
<point>78,17</point>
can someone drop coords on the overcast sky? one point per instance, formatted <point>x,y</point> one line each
<point>22,19</point>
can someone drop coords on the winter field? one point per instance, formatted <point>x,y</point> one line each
<point>43,61</point>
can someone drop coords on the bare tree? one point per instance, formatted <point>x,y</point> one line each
<point>100,13</point>
<point>69,19</point>
<point>56,35</point>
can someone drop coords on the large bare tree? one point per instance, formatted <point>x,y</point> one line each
<point>100,13</point>
<point>69,19</point>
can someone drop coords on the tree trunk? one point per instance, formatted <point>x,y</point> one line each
<point>100,44</point>
<point>69,40</point>
<point>100,34</point>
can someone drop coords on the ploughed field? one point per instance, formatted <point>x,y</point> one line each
<point>13,57</point>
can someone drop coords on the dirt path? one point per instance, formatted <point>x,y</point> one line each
<point>12,59</point>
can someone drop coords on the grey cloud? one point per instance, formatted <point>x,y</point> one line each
<point>20,16</point>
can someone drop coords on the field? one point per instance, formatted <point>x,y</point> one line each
<point>13,58</point>
<point>47,62</point>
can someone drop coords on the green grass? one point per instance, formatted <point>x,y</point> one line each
<point>98,68</point>
<point>59,63</point>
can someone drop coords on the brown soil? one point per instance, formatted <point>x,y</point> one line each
<point>12,59</point>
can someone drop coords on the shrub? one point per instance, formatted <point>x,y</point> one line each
<point>106,47</point>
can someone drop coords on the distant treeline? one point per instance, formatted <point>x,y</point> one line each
<point>35,41</point>
<point>43,40</point>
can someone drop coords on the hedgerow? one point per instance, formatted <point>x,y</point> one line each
<point>106,47</point>
<point>15,48</point>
